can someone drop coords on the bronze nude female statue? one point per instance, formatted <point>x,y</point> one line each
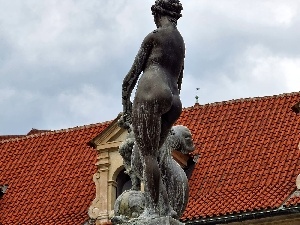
<point>156,105</point>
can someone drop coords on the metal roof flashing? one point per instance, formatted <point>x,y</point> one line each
<point>296,108</point>
<point>3,189</point>
<point>245,216</point>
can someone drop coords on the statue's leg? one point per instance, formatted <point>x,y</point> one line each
<point>151,122</point>
<point>146,124</point>
<point>136,183</point>
<point>136,169</point>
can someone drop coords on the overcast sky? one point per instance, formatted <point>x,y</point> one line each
<point>62,63</point>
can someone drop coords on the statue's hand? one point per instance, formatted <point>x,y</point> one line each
<point>127,118</point>
<point>125,121</point>
<point>127,109</point>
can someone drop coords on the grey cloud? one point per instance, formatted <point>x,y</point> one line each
<point>62,63</point>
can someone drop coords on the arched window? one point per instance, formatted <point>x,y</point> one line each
<point>123,183</point>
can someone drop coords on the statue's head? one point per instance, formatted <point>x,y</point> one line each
<point>181,139</point>
<point>170,8</point>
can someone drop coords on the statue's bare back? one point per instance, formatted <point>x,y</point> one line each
<point>159,81</point>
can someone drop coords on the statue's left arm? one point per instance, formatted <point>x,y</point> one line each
<point>131,78</point>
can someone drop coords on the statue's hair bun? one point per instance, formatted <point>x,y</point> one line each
<point>170,8</point>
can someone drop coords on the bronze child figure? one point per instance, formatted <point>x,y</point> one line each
<point>156,105</point>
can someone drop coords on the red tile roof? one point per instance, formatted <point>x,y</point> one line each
<point>49,177</point>
<point>248,155</point>
<point>5,137</point>
<point>248,161</point>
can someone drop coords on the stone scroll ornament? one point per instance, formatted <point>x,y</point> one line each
<point>156,106</point>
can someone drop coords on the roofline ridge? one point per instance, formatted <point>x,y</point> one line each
<point>243,216</point>
<point>231,101</point>
<point>65,130</point>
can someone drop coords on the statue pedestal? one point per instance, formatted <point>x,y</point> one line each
<point>154,221</point>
